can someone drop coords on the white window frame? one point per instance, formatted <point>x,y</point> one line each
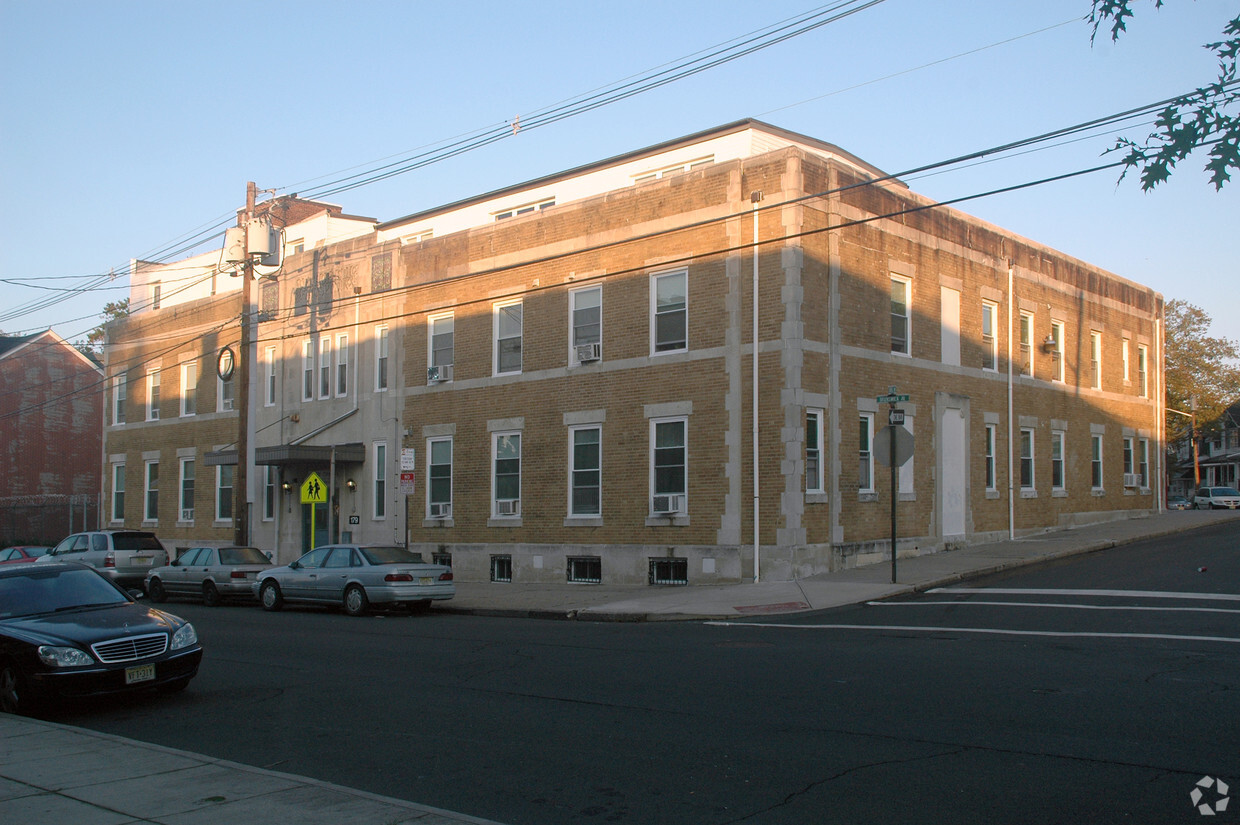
<point>431,464</point>
<point>990,466</point>
<point>907,284</point>
<point>1125,357</point>
<point>1143,361</point>
<point>1129,459</point>
<point>1095,359</point>
<point>496,437</point>
<point>157,289</point>
<point>383,372</point>
<point>325,367</point>
<point>1059,440</point>
<point>574,341</point>
<point>865,454</point>
<point>499,311</point>
<point>220,498</point>
<point>1028,459</point>
<point>152,394</point>
<point>656,348</point>
<point>342,365</point>
<point>380,481</point>
<point>120,397</point>
<point>118,492</point>
<point>990,344</point>
<point>181,497</point>
<point>1143,462</point>
<point>1057,333</point>
<point>1027,343</point>
<point>1097,470</point>
<point>189,388</point>
<point>440,326</point>
<point>269,492</point>
<point>149,513</point>
<point>814,475</point>
<point>226,394</point>
<point>307,369</point>
<point>574,470</point>
<point>683,492</point>
<point>269,394</point>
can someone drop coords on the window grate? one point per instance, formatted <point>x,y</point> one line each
<point>585,569</point>
<point>501,568</point>
<point>442,558</point>
<point>669,571</point>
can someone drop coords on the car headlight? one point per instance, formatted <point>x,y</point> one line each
<point>184,637</point>
<point>64,656</point>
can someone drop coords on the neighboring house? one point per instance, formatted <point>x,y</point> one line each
<point>51,434</point>
<point>554,381</point>
<point>1220,454</point>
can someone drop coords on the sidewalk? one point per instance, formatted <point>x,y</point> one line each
<point>636,603</point>
<point>52,774</point>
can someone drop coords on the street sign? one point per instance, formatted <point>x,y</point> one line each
<point>407,483</point>
<point>313,490</point>
<point>882,445</point>
<point>895,417</point>
<point>891,399</point>
<point>408,459</point>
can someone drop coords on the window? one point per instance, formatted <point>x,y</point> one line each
<point>439,478</point>
<point>506,475</point>
<point>1095,461</point>
<point>227,398</point>
<point>224,492</point>
<point>1095,360</point>
<point>189,388</point>
<point>585,471</point>
<point>268,301</point>
<point>1057,476</point>
<point>150,509</point>
<point>325,366</point>
<point>669,297</point>
<point>669,571</point>
<point>525,209</point>
<point>813,451</point>
<point>501,568</point>
<point>900,326</point>
<point>1142,386</point>
<point>120,391</point>
<point>991,477</point>
<point>1124,356</point>
<point>118,492</point>
<point>1026,459</point>
<point>674,170</point>
<point>1026,343</point>
<point>187,489</point>
<point>1143,462</point>
<point>990,341</point>
<point>381,357</point>
<point>669,465</point>
<point>585,569</point>
<point>157,291</point>
<point>1057,353</point>
<point>442,332</point>
<point>269,366</point>
<point>1128,457</point>
<point>269,492</point>
<point>507,323</point>
<point>307,370</point>
<point>380,479</point>
<point>342,365</point>
<point>381,273</point>
<point>152,395</point>
<point>865,473</point>
<point>586,324</point>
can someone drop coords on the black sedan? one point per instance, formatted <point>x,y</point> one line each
<point>68,632</point>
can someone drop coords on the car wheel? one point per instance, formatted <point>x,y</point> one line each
<point>210,595</point>
<point>355,601</point>
<point>270,596</point>
<point>156,591</point>
<point>14,695</point>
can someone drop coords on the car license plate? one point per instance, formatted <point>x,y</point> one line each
<point>426,580</point>
<point>141,560</point>
<point>139,673</point>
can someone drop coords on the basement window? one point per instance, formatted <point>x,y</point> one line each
<point>446,560</point>
<point>669,571</point>
<point>585,569</point>
<point>501,568</point>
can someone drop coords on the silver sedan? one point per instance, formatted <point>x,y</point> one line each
<point>212,573</point>
<point>355,577</point>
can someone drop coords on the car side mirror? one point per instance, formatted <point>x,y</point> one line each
<point>295,565</point>
<point>136,594</point>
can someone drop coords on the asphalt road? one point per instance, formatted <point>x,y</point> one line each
<point>1055,694</point>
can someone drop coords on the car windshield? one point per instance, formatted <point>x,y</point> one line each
<point>136,541</point>
<point>46,591</point>
<point>243,555</point>
<point>1226,491</point>
<point>390,555</point>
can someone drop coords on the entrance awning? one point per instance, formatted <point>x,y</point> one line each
<point>286,454</point>
<point>216,458</point>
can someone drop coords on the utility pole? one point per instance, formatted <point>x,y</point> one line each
<point>241,390</point>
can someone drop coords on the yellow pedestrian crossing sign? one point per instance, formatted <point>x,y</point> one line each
<point>313,490</point>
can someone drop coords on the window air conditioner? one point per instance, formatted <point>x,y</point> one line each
<point>441,509</point>
<point>187,514</point>
<point>589,352</point>
<point>508,506</point>
<point>440,373</point>
<point>1132,479</point>
<point>668,504</point>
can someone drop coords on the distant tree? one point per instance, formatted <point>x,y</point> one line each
<point>1207,118</point>
<point>93,345</point>
<point>1199,367</point>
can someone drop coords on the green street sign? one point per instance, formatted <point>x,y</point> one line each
<point>891,399</point>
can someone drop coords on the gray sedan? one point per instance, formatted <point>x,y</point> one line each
<point>356,577</point>
<point>212,573</point>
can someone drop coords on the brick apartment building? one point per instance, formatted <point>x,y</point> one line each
<point>555,381</point>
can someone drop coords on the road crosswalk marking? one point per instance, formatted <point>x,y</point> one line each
<point>1133,594</point>
<point>994,631</point>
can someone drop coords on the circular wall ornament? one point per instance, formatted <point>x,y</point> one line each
<point>226,364</point>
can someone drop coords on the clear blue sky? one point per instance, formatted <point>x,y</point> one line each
<point>127,125</point>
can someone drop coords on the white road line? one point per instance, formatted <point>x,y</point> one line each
<point>1132,594</point>
<point>986,630</point>
<point>1064,605</point>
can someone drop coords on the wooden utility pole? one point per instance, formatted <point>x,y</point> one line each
<point>241,390</point>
